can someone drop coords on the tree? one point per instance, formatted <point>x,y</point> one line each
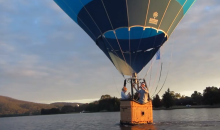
<point>218,96</point>
<point>197,97</point>
<point>105,97</point>
<point>182,97</point>
<point>50,111</point>
<point>177,96</point>
<point>168,99</point>
<point>104,104</point>
<point>172,93</point>
<point>210,95</point>
<point>67,109</point>
<point>186,101</point>
<point>157,101</point>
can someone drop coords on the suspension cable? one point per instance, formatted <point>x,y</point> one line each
<point>171,57</point>
<point>115,53</point>
<point>128,31</point>
<point>114,32</point>
<point>164,81</point>
<point>150,73</point>
<point>114,82</point>
<point>90,30</point>
<point>154,60</point>
<point>95,24</point>
<point>139,45</point>
<point>157,73</point>
<point>161,52</point>
<point>143,29</point>
<point>78,18</point>
<point>159,79</point>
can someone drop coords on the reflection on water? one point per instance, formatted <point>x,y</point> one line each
<point>182,119</point>
<point>139,127</point>
<point>176,125</point>
<point>200,125</point>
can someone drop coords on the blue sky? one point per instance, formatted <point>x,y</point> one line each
<point>45,57</point>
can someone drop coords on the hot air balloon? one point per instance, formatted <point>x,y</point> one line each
<point>129,32</point>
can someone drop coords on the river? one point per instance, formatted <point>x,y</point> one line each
<point>179,119</point>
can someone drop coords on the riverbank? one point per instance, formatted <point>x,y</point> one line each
<point>185,119</point>
<point>161,108</point>
<point>187,107</point>
<point>171,108</point>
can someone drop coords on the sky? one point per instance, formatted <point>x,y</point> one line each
<point>46,57</point>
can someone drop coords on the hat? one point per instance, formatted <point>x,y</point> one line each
<point>124,88</point>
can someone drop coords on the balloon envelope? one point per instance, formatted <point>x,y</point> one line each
<point>129,32</point>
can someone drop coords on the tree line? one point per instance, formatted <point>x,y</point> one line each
<point>64,109</point>
<point>210,96</point>
<point>106,103</point>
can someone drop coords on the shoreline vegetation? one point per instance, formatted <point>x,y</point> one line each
<point>170,100</point>
<point>162,108</point>
<point>189,107</point>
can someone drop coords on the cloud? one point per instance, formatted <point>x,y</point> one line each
<point>45,56</point>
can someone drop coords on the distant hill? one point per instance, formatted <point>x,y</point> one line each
<point>10,106</point>
<point>61,104</point>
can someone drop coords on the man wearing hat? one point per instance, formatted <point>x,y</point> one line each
<point>143,92</point>
<point>123,95</point>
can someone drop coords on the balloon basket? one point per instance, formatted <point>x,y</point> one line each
<point>134,113</point>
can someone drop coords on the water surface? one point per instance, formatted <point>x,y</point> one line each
<point>181,119</point>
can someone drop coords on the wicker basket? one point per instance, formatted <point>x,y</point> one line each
<point>133,112</point>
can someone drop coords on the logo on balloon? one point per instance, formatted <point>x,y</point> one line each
<point>154,20</point>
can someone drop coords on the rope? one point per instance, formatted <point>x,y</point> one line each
<point>154,60</point>
<point>161,52</point>
<point>78,18</point>
<point>176,16</point>
<point>164,81</point>
<point>161,63</point>
<point>115,53</point>
<point>150,73</point>
<point>160,22</point>
<point>147,13</point>
<point>128,30</point>
<point>149,69</point>
<point>157,73</point>
<point>159,79</point>
<point>115,83</point>
<point>130,47</point>
<point>89,29</point>
<point>96,26</point>
<point>114,31</point>
<point>151,54</point>
<point>151,76</point>
<point>143,30</point>
<point>167,71</point>
<point>139,45</point>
